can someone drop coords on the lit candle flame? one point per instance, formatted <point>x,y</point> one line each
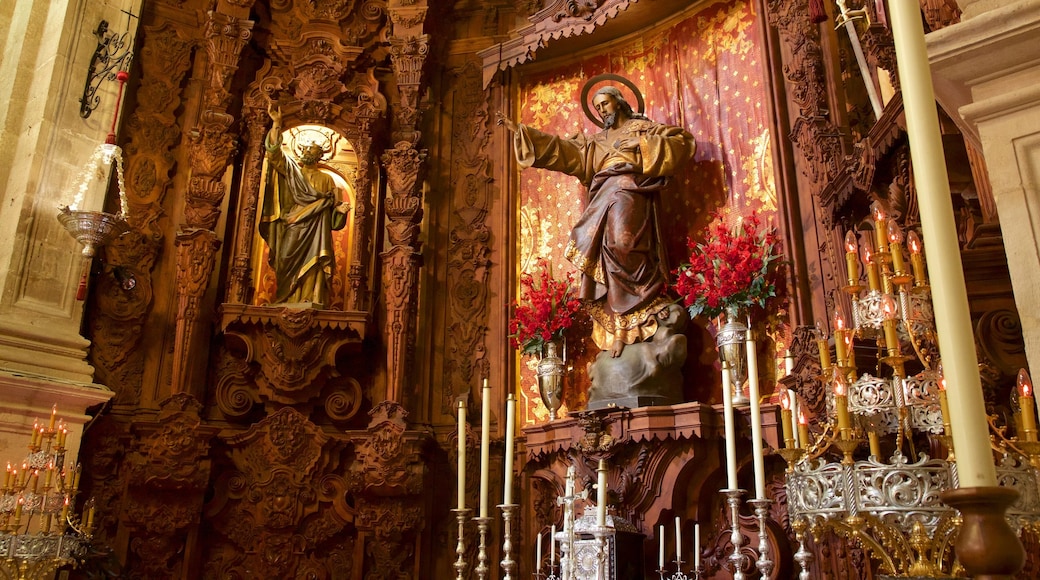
<point>785,401</point>
<point>850,243</point>
<point>888,305</point>
<point>868,255</point>
<point>840,385</point>
<point>913,241</point>
<point>1025,384</point>
<point>875,209</point>
<point>895,234</point>
<point>802,419</point>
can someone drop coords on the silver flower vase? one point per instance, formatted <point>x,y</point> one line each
<point>551,371</point>
<point>731,341</point>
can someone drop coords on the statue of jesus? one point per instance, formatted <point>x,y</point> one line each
<point>616,243</point>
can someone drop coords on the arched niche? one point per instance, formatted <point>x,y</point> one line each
<point>341,164</point>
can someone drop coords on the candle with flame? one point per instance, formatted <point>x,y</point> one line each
<point>873,282</point>
<point>895,247</point>
<point>803,429</point>
<point>785,419</point>
<point>821,342</point>
<point>944,404</point>
<point>913,242</point>
<point>1026,404</point>
<point>888,308</point>
<point>880,227</point>
<point>841,403</point>
<point>852,258</point>
<point>840,351</point>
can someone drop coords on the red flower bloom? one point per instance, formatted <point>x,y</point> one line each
<point>735,267</point>
<point>544,310</point>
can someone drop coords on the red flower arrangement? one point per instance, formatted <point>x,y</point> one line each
<point>732,267</point>
<point>546,308</point>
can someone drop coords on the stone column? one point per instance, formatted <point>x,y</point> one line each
<point>987,72</point>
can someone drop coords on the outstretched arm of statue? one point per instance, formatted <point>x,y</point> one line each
<point>503,120</point>
<point>274,136</point>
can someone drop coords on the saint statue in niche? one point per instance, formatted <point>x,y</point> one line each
<point>302,206</point>
<point>616,243</point>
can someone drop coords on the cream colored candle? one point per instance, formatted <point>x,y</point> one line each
<point>696,546</point>
<point>485,447</point>
<point>757,455</point>
<point>731,433</point>
<point>601,494</point>
<point>538,554</point>
<point>507,493</point>
<point>660,535</point>
<point>462,455</point>
<point>795,409</point>
<point>552,545</point>
<point>975,465</point>
<point>678,537</point>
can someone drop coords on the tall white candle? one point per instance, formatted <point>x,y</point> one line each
<point>538,553</point>
<point>696,546</point>
<point>601,494</point>
<point>731,431</point>
<point>552,545</point>
<point>793,397</point>
<point>507,494</point>
<point>462,454</point>
<point>678,538</point>
<point>660,534</point>
<point>975,466</point>
<point>485,447</point>
<point>758,457</point>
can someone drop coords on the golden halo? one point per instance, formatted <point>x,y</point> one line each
<point>610,79</point>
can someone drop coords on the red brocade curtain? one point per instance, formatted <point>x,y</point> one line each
<point>705,73</point>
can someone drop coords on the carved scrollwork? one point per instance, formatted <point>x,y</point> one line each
<point>291,353</point>
<point>998,336</point>
<point>345,400</point>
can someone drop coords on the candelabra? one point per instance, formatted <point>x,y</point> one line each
<point>737,558</point>
<point>508,564</point>
<point>461,516</point>
<point>32,543</point>
<point>764,564</point>
<point>482,555</point>
<point>890,505</point>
